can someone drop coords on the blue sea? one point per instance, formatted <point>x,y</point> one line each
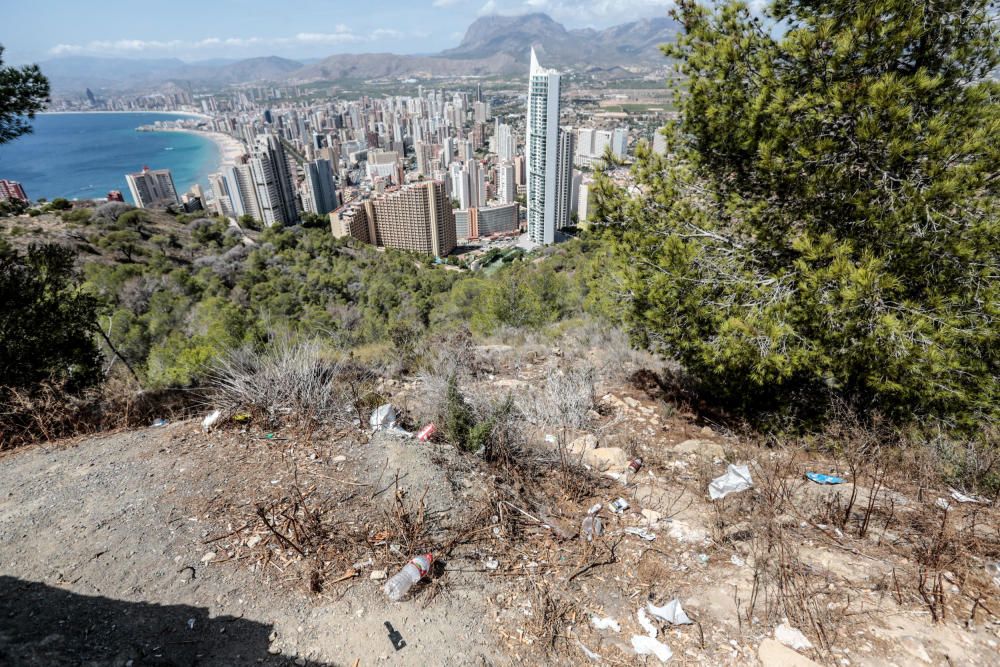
<point>84,155</point>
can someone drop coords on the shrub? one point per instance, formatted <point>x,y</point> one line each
<point>298,381</point>
<point>47,324</point>
<point>827,223</point>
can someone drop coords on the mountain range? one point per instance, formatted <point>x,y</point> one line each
<point>492,45</point>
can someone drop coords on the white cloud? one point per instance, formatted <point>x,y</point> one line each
<point>446,3</point>
<point>342,34</point>
<point>383,33</point>
<point>581,12</point>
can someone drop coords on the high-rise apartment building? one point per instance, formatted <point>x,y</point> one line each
<point>506,185</point>
<point>415,217</point>
<point>152,188</point>
<point>506,146</point>
<point>548,208</point>
<point>273,181</point>
<point>320,191</point>
<point>12,190</point>
<point>565,205</point>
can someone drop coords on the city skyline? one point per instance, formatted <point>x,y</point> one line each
<point>235,30</point>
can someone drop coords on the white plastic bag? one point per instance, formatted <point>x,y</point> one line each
<point>736,479</point>
<point>672,612</point>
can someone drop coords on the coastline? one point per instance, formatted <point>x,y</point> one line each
<point>192,114</point>
<point>229,147</point>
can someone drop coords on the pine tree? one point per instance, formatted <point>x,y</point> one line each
<point>826,221</point>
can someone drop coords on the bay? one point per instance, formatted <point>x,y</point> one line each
<point>84,155</point>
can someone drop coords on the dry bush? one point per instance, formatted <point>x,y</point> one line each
<point>48,412</point>
<point>291,381</point>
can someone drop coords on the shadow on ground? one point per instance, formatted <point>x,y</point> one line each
<point>43,625</point>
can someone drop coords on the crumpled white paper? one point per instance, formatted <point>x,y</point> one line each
<point>736,479</point>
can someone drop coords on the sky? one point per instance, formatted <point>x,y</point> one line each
<point>208,29</point>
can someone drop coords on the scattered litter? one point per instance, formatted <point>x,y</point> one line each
<point>412,572</point>
<point>361,564</point>
<point>377,575</point>
<point>383,417</point>
<point>736,479</point>
<point>190,624</point>
<point>820,478</point>
<point>993,569</point>
<point>159,422</point>
<point>703,559</point>
<point>606,623</point>
<point>491,563</point>
<point>211,420</point>
<point>427,432</point>
<point>737,561</point>
<point>962,498</point>
<point>587,652</point>
<point>241,417</point>
<point>943,504</point>
<point>592,527</point>
<point>551,439</point>
<point>340,458</point>
<point>650,646</point>
<point>641,532</point>
<point>792,637</point>
<point>253,541</point>
<point>634,465</point>
<point>595,509</point>
<point>646,624</point>
<point>208,557</point>
<point>618,506</point>
<point>672,612</point>
<point>397,639</point>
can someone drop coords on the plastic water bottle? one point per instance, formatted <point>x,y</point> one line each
<point>592,527</point>
<point>411,573</point>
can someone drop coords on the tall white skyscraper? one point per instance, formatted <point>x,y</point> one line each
<point>152,187</point>
<point>506,186</point>
<point>505,143</point>
<point>460,185</point>
<point>543,155</point>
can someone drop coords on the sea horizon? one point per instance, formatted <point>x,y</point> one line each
<point>86,154</point>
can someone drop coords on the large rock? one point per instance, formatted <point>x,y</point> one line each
<point>703,448</point>
<point>606,458</point>
<point>583,444</point>
<point>774,654</point>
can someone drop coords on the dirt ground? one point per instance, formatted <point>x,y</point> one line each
<point>103,561</point>
<point>171,546</point>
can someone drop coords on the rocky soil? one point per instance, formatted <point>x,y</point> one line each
<point>172,546</point>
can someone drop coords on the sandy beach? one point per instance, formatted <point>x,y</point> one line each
<point>230,148</point>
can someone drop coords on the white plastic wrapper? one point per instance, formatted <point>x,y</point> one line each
<point>736,479</point>
<point>645,645</point>
<point>672,612</point>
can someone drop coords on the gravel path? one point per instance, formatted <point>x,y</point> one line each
<point>101,563</point>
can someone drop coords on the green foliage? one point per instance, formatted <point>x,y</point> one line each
<point>46,323</point>
<point>459,420</point>
<point>79,216</point>
<point>59,204</point>
<point>23,92</point>
<point>828,221</point>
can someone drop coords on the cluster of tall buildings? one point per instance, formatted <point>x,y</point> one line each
<point>419,173</point>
